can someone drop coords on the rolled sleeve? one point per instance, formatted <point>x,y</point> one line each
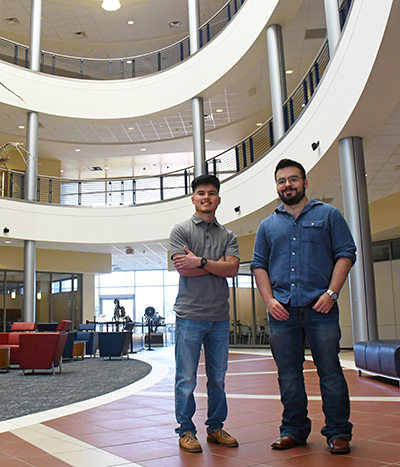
<point>343,245</point>
<point>261,249</point>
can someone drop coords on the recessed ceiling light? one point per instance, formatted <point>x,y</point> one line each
<point>21,127</point>
<point>219,110</point>
<point>207,140</point>
<point>62,171</point>
<point>289,72</point>
<point>175,24</point>
<point>131,128</point>
<point>259,124</point>
<point>111,5</point>
<point>143,149</point>
<point>128,63</point>
<point>130,22</point>
<point>106,168</point>
<point>77,150</point>
<point>8,242</point>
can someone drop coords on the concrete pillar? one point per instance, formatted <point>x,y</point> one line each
<point>277,78</point>
<point>355,201</point>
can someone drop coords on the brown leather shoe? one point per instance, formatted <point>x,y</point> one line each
<point>223,438</point>
<point>189,442</point>
<point>339,446</point>
<point>284,442</point>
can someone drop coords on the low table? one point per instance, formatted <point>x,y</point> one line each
<point>79,349</point>
<point>5,358</point>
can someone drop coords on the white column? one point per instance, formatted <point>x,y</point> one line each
<point>355,201</point>
<point>199,150</point>
<point>277,78</point>
<point>32,137</point>
<point>332,24</point>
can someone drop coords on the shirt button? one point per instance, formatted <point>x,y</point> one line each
<point>293,253</point>
<point>292,285</point>
<point>294,238</point>
<point>293,269</point>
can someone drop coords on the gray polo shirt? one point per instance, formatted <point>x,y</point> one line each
<point>206,297</point>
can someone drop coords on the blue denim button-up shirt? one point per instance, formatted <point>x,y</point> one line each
<point>300,254</point>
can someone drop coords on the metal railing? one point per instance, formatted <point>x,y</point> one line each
<point>149,189</point>
<point>120,68</point>
<point>140,190</point>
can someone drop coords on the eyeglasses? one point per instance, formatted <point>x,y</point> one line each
<point>293,179</point>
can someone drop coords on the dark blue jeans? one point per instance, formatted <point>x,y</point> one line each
<point>287,344</point>
<point>190,335</point>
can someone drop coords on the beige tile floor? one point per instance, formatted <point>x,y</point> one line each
<point>134,426</point>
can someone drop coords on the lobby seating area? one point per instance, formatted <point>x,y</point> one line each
<point>30,346</point>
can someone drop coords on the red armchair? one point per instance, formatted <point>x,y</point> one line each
<point>11,339</point>
<point>23,326</point>
<point>41,351</point>
<point>64,325</point>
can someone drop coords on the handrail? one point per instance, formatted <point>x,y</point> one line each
<point>150,189</point>
<point>121,67</point>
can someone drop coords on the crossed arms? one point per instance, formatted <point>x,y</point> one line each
<point>188,265</point>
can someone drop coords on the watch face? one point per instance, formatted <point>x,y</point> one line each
<point>334,296</point>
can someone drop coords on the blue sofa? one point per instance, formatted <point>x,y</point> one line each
<point>380,357</point>
<point>86,333</point>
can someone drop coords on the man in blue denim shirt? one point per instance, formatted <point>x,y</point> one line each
<point>302,255</point>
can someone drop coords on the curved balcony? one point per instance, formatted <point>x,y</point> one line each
<point>123,67</point>
<point>140,190</point>
<point>331,114</point>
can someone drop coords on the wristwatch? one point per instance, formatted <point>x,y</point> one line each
<point>334,296</point>
<point>203,262</point>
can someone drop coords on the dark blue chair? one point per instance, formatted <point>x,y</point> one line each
<point>86,333</point>
<point>114,344</point>
<point>68,353</point>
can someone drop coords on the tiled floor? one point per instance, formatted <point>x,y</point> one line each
<point>135,426</point>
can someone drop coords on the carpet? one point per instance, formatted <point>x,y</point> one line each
<point>80,380</point>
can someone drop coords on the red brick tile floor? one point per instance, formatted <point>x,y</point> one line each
<point>138,429</point>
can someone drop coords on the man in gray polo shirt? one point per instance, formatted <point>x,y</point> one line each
<point>204,253</point>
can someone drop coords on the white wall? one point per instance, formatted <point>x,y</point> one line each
<point>324,119</point>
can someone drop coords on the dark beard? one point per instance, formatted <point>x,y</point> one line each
<point>293,199</point>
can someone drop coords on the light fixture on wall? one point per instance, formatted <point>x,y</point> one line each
<point>39,295</point>
<point>13,294</point>
<point>111,5</point>
<point>315,145</point>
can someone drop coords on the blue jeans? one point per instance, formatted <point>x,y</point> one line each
<point>287,344</point>
<point>190,335</point>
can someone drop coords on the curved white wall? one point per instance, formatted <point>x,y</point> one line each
<point>140,96</point>
<point>323,120</point>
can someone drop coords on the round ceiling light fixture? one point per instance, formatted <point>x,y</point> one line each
<point>111,5</point>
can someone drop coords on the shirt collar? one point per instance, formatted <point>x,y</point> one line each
<point>312,203</point>
<point>197,220</point>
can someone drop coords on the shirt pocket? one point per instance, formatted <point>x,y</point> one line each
<point>312,231</point>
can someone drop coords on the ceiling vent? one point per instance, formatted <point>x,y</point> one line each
<point>95,168</point>
<point>175,24</point>
<point>315,33</point>
<point>12,21</point>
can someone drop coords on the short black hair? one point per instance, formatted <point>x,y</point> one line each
<point>283,163</point>
<point>205,180</point>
